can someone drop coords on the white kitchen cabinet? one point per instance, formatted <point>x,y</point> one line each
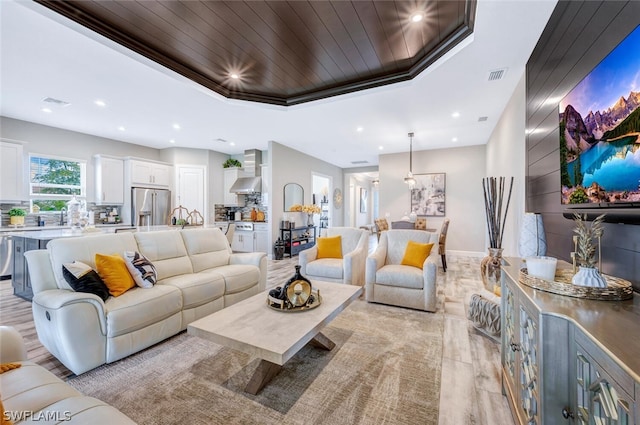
<point>242,242</point>
<point>109,180</point>
<point>11,172</point>
<point>152,174</point>
<point>229,178</point>
<point>260,238</point>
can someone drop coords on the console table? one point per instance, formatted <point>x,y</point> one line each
<point>298,239</point>
<point>568,360</point>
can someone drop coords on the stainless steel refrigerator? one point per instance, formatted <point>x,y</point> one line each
<point>150,207</point>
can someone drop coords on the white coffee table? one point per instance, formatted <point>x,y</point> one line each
<point>252,327</point>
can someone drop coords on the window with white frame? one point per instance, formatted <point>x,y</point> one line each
<point>53,181</point>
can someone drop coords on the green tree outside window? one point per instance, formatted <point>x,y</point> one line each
<point>54,181</point>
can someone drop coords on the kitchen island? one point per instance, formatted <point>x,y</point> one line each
<point>26,239</point>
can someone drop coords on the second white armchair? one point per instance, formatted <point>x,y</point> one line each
<point>349,268</point>
<point>389,278</point>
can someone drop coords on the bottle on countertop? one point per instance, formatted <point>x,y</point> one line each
<point>254,214</point>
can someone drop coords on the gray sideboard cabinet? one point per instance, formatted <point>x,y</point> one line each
<point>567,360</point>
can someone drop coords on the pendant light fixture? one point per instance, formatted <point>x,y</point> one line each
<point>409,179</point>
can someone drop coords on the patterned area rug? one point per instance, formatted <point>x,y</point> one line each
<point>385,369</point>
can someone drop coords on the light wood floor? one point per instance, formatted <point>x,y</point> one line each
<point>470,392</point>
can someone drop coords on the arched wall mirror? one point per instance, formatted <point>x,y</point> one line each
<point>293,194</point>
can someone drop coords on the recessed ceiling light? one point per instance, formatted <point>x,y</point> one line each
<point>121,128</point>
<point>172,141</point>
<point>455,114</point>
<point>176,126</point>
<point>455,139</point>
<point>381,148</point>
<point>47,110</point>
<point>417,17</point>
<point>100,103</point>
<point>359,129</point>
<point>235,76</point>
<point>232,143</point>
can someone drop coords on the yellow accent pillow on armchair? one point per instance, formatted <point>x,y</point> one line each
<point>415,253</point>
<point>114,273</point>
<point>330,247</point>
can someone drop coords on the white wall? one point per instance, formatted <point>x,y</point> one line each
<point>43,139</point>
<point>464,204</point>
<point>506,157</point>
<point>288,165</point>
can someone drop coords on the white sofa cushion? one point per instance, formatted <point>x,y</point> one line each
<point>400,276</point>
<point>326,267</point>
<point>84,249</point>
<point>166,250</point>
<point>197,288</point>
<point>207,248</point>
<point>139,307</point>
<point>238,277</point>
<point>32,388</point>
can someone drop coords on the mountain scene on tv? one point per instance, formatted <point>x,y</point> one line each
<point>600,131</point>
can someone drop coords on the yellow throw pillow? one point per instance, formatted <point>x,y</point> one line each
<point>4,417</point>
<point>415,253</point>
<point>330,247</point>
<point>113,271</point>
<point>4,367</point>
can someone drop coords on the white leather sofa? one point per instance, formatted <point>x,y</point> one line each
<point>349,269</point>
<point>197,275</point>
<point>387,281</point>
<point>31,393</point>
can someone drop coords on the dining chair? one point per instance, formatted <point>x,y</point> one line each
<point>442,242</point>
<point>381,225</point>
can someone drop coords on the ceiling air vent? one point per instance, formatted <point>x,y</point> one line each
<point>57,102</point>
<point>497,74</point>
<point>359,162</point>
<point>482,119</point>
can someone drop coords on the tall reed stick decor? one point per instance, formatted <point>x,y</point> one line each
<point>493,203</point>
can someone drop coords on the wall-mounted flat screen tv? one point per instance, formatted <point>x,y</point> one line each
<point>600,132</point>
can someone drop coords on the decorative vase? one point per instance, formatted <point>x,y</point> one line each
<point>490,270</point>
<point>412,217</point>
<point>532,236</point>
<point>589,276</point>
<point>310,220</point>
<point>73,213</point>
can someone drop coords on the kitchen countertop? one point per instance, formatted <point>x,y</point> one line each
<point>53,227</point>
<point>55,232</point>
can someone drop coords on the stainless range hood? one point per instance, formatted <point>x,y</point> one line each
<point>251,181</point>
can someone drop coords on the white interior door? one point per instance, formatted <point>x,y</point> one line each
<point>190,186</point>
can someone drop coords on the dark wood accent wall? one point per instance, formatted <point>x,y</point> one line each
<point>577,37</point>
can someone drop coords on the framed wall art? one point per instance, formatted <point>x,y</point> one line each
<point>428,195</point>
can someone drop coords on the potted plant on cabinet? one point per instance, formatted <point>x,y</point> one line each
<point>231,162</point>
<point>16,216</point>
<point>585,251</point>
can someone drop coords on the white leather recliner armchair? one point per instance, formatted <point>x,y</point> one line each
<point>349,269</point>
<point>387,281</point>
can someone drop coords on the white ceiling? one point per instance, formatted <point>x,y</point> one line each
<point>46,55</point>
